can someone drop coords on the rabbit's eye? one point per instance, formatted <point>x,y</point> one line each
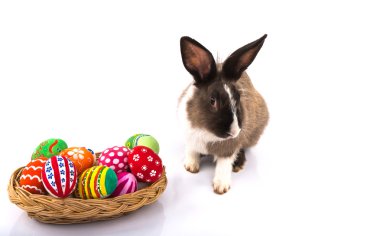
<point>214,104</point>
<point>212,101</point>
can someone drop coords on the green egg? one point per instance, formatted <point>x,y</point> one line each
<point>49,148</point>
<point>96,182</point>
<point>130,142</point>
<point>143,140</point>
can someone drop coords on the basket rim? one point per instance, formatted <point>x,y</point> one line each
<point>38,206</point>
<point>17,173</point>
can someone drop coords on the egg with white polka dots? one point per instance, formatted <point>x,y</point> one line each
<point>115,158</point>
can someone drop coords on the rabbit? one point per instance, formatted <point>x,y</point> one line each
<point>221,112</point>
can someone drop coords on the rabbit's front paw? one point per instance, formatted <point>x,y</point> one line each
<point>221,185</point>
<point>192,167</point>
<point>192,162</point>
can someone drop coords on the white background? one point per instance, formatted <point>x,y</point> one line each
<point>93,73</point>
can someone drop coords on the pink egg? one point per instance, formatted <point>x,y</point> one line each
<point>126,183</point>
<point>115,158</point>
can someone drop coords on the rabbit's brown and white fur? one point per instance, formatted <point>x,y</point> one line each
<point>221,111</point>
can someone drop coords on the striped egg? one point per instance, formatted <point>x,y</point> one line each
<point>145,140</point>
<point>96,182</point>
<point>59,176</point>
<point>30,178</point>
<point>126,183</point>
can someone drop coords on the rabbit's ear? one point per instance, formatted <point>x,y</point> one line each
<point>197,60</point>
<point>238,62</point>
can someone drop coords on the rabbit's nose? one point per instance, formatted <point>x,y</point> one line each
<point>234,134</point>
<point>234,129</point>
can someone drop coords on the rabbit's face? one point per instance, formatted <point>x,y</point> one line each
<point>215,101</point>
<point>216,108</point>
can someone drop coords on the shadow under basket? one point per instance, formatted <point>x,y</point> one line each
<point>48,209</point>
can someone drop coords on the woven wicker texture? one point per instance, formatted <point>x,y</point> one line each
<point>47,209</point>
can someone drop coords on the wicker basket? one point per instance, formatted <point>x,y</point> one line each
<point>47,209</point>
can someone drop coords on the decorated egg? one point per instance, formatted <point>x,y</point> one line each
<point>96,182</point>
<point>126,183</point>
<point>145,164</point>
<point>93,153</point>
<point>143,140</point>
<point>30,178</point>
<point>115,158</point>
<point>49,148</point>
<point>80,156</point>
<point>59,176</point>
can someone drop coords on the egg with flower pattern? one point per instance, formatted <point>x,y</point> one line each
<point>80,156</point>
<point>59,176</point>
<point>145,164</point>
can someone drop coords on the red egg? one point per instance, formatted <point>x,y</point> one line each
<point>59,176</point>
<point>145,164</point>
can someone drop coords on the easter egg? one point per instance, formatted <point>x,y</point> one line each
<point>30,178</point>
<point>96,182</point>
<point>59,176</point>
<point>80,156</point>
<point>115,158</point>
<point>93,153</point>
<point>145,164</point>
<point>126,183</point>
<point>143,140</point>
<point>49,148</point>
<point>131,141</point>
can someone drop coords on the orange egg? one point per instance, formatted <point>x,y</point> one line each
<point>30,179</point>
<point>80,156</point>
